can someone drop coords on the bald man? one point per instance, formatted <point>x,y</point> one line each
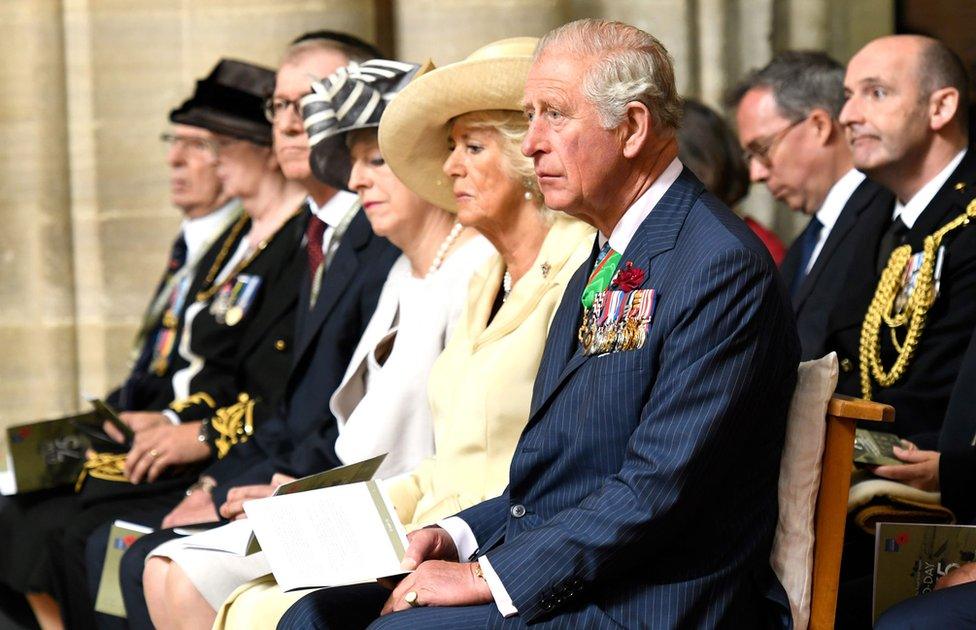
<point>906,118</point>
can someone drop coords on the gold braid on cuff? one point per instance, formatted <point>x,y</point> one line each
<point>105,466</point>
<point>191,400</point>
<point>233,425</point>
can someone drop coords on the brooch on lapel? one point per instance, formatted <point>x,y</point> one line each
<point>619,317</point>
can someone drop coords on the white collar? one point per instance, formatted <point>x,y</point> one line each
<point>837,197</point>
<point>910,211</point>
<point>199,232</point>
<point>335,208</point>
<point>627,226</point>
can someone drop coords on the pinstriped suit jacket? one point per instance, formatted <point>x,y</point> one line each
<point>648,477</point>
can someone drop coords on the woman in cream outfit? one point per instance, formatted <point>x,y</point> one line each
<point>453,136</point>
<point>381,404</point>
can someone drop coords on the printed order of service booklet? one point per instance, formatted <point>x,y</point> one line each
<point>910,558</point>
<point>344,534</point>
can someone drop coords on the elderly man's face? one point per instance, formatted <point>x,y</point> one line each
<point>886,116</point>
<point>294,81</point>
<point>193,183</point>
<point>575,157</point>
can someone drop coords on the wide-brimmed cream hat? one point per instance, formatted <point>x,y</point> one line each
<point>413,131</point>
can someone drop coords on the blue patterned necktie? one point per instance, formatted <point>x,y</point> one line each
<point>808,242</point>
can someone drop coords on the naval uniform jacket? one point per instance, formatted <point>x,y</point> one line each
<point>921,396</point>
<point>324,340</point>
<point>143,389</point>
<point>249,357</point>
<point>643,491</point>
<point>825,284</point>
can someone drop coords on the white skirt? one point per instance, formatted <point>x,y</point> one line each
<point>215,574</point>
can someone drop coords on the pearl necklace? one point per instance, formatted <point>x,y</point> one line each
<point>506,285</point>
<point>445,245</point>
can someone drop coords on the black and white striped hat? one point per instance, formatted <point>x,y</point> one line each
<point>353,97</point>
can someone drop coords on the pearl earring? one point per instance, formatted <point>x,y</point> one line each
<point>528,195</point>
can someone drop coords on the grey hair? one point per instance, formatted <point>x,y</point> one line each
<point>800,80</point>
<point>511,127</point>
<point>630,66</point>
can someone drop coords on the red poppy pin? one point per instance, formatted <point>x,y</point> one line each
<point>628,278</point>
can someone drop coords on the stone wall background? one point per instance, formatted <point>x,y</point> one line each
<point>87,85</point>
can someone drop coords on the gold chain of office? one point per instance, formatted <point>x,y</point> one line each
<point>911,316</point>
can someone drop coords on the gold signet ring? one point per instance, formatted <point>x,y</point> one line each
<point>411,599</point>
<point>154,453</point>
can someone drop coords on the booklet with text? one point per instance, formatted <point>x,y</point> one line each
<point>347,534</point>
<point>909,558</point>
<point>238,537</point>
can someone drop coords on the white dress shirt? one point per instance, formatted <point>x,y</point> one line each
<point>623,232</point>
<point>910,211</point>
<point>833,204</point>
<point>631,220</point>
<point>201,232</point>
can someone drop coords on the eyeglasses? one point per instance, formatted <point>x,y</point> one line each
<point>200,146</point>
<point>761,149</point>
<point>211,147</point>
<point>275,107</point>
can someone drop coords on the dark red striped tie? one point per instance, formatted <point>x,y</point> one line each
<point>313,243</point>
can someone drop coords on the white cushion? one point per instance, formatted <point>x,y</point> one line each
<point>799,482</point>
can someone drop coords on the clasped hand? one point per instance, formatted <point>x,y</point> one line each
<point>158,444</point>
<point>438,578</point>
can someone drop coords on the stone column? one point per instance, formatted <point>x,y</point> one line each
<point>128,64</point>
<point>450,30</point>
<point>37,336</point>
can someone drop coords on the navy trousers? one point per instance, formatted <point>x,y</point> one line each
<point>953,607</point>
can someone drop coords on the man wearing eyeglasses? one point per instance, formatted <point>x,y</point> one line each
<point>792,142</point>
<point>195,190</point>
<point>340,292</point>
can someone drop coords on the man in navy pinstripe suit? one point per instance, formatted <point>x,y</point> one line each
<point>643,489</point>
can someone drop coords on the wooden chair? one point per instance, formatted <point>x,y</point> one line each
<point>831,511</point>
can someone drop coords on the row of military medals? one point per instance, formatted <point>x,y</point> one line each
<point>166,336</point>
<point>617,320</point>
<point>232,301</point>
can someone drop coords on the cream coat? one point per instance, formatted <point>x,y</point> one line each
<point>480,393</point>
<point>480,388</point>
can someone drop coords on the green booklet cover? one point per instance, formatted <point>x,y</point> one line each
<point>120,538</point>
<point>46,454</point>
<point>910,558</point>
<point>875,448</point>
